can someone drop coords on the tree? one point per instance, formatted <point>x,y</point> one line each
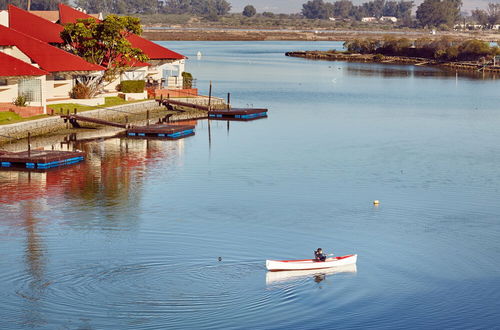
<point>222,7</point>
<point>438,12</point>
<point>18,3</point>
<point>480,16</point>
<point>317,9</point>
<point>104,43</point>
<point>342,8</point>
<point>249,11</point>
<point>46,4</point>
<point>493,11</point>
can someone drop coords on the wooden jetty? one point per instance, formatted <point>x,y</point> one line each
<point>73,119</point>
<point>241,114</point>
<point>157,130</point>
<point>168,103</point>
<point>39,159</point>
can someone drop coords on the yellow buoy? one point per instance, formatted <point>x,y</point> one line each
<point>376,202</point>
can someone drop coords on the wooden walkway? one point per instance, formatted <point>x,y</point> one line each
<point>156,131</point>
<point>73,120</point>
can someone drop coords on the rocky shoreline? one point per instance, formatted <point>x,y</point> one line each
<point>377,58</point>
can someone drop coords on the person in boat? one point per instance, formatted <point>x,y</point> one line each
<point>319,255</point>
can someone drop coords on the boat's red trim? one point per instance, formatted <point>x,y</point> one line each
<point>328,259</point>
<point>281,270</point>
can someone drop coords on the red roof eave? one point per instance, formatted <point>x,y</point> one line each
<point>48,57</point>
<point>13,67</point>
<point>154,51</point>
<point>34,25</point>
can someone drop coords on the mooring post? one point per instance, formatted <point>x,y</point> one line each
<point>147,118</point>
<point>228,101</point>
<point>29,144</point>
<point>209,95</point>
<point>74,111</point>
<point>126,121</point>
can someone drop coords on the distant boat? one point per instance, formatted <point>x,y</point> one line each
<point>198,55</point>
<point>274,265</point>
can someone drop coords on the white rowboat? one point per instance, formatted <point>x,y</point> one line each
<point>275,265</point>
<point>298,275</point>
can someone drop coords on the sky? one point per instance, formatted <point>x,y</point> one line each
<point>294,6</point>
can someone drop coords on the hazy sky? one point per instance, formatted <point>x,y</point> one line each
<point>294,6</point>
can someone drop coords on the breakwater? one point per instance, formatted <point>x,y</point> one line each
<point>378,58</point>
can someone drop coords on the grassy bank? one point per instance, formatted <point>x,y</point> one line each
<point>109,102</point>
<point>12,118</point>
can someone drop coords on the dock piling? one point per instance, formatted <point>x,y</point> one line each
<point>228,101</point>
<point>29,144</point>
<point>209,95</point>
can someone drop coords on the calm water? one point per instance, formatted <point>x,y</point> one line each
<point>130,238</point>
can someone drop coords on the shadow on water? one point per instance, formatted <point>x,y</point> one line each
<point>406,71</point>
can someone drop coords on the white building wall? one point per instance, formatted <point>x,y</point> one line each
<point>8,92</point>
<point>156,73</point>
<point>17,53</point>
<point>4,18</point>
<point>58,89</point>
<point>137,73</point>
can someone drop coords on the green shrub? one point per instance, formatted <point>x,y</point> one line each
<point>80,91</point>
<point>20,101</point>
<point>131,86</point>
<point>187,80</point>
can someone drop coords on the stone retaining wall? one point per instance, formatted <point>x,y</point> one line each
<point>55,123</point>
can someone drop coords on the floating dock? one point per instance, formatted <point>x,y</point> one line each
<point>39,159</point>
<point>157,130</point>
<point>241,114</point>
<point>171,132</point>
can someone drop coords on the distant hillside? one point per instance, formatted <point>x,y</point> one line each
<point>294,6</point>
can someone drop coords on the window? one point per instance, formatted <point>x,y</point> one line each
<point>171,71</point>
<point>3,82</point>
<point>59,77</point>
<point>31,89</point>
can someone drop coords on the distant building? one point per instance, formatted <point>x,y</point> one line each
<point>388,19</point>
<point>332,19</point>
<point>369,19</point>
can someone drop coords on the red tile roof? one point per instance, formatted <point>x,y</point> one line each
<point>154,51</point>
<point>48,57</point>
<point>69,14</point>
<point>34,25</point>
<point>13,67</point>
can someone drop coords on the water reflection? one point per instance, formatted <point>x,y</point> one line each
<point>391,71</point>
<point>317,275</point>
<point>35,260</point>
<point>114,169</point>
